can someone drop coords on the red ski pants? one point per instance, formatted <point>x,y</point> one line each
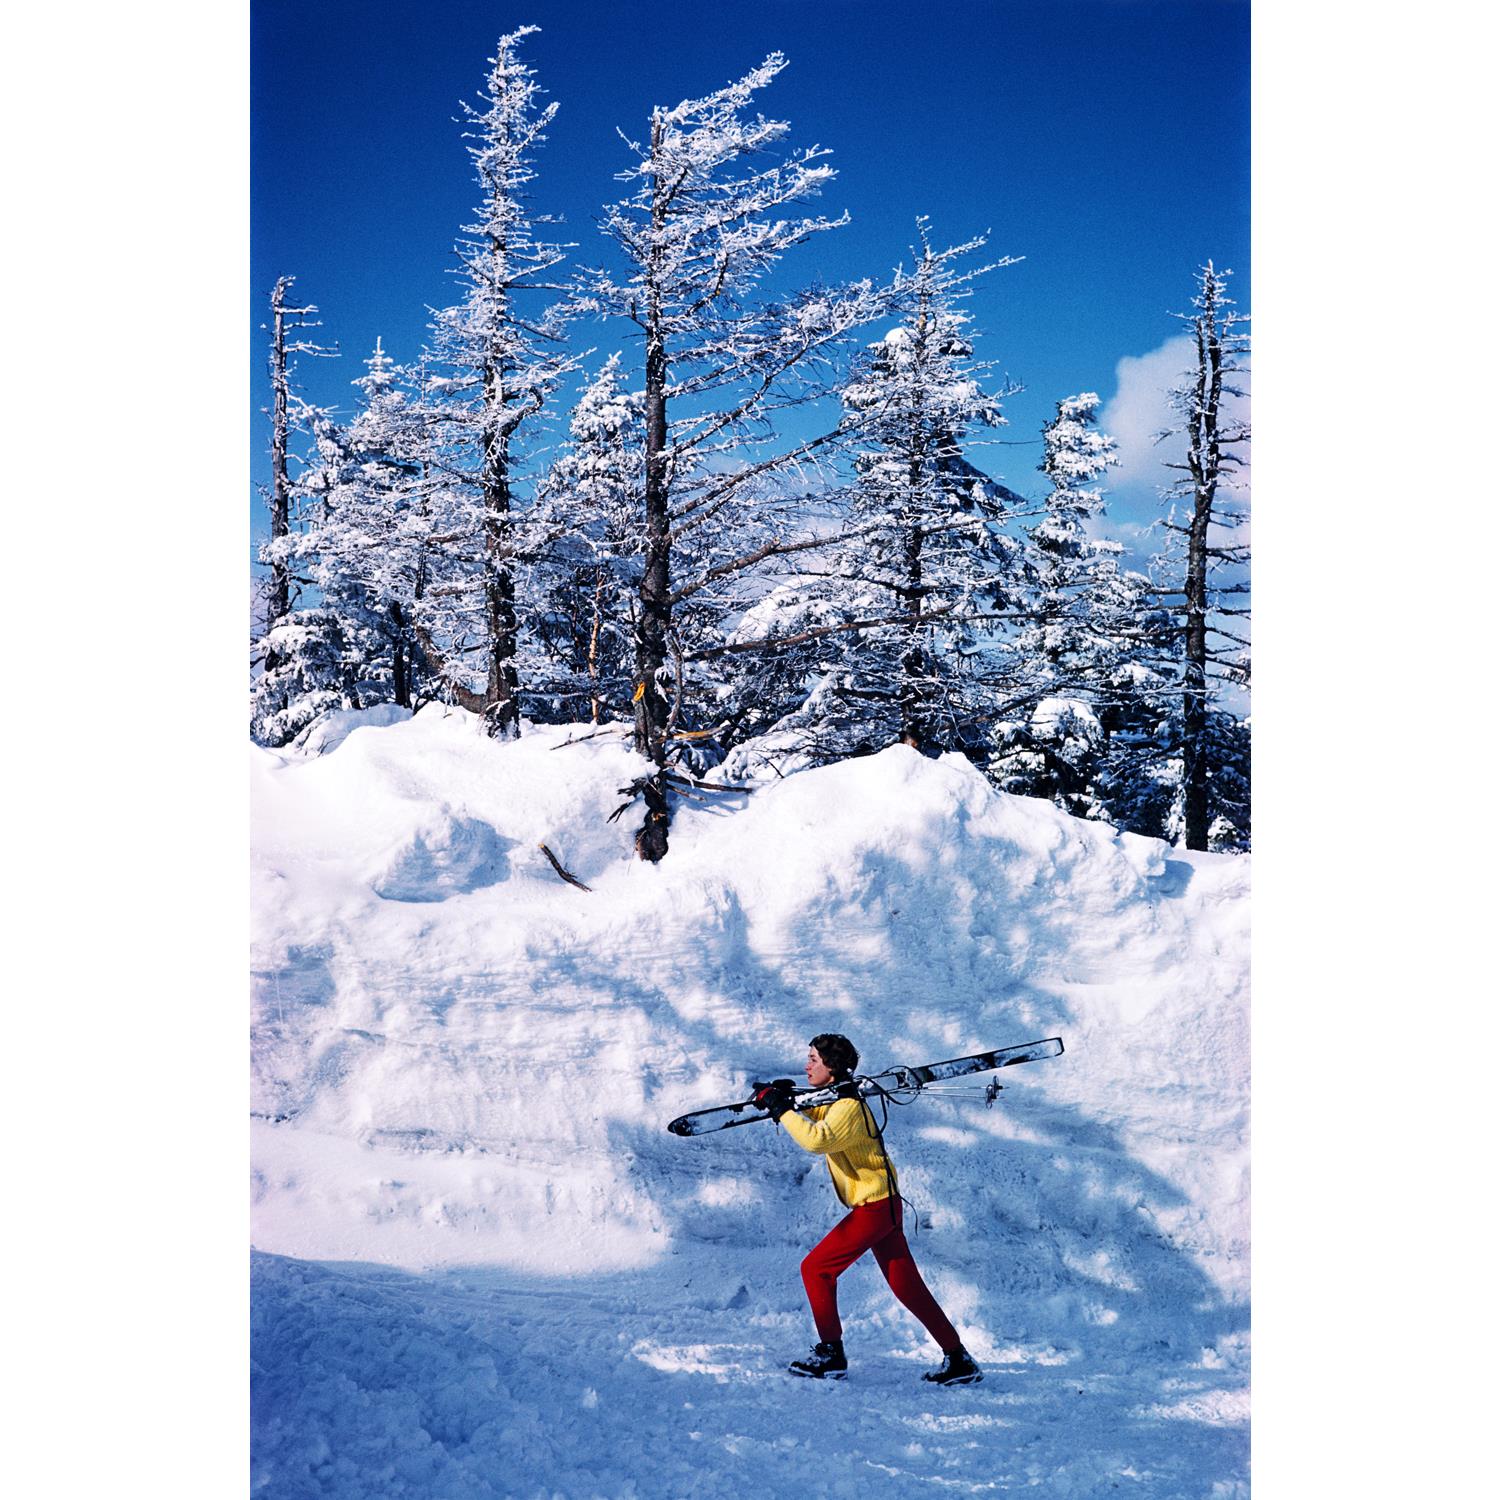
<point>871,1226</point>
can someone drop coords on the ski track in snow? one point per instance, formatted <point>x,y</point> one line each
<point>484,1269</point>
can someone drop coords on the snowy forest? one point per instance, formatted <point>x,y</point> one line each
<point>640,486</point>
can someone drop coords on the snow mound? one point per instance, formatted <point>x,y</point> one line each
<point>331,730</point>
<point>449,856</point>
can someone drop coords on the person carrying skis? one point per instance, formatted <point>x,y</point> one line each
<point>845,1134</point>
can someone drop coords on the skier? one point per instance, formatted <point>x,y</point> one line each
<point>844,1133</point>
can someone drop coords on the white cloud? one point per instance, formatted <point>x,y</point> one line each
<point>1136,412</point>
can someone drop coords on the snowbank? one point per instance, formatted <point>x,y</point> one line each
<point>463,1067</point>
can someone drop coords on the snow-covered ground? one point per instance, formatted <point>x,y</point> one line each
<point>482,1266</point>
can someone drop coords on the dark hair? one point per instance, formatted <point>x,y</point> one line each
<point>841,1055</point>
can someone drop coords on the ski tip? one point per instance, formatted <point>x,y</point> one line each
<point>680,1126</point>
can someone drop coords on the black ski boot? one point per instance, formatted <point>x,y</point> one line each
<point>958,1369</point>
<point>825,1362</point>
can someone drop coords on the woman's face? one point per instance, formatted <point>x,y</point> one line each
<point>819,1074</point>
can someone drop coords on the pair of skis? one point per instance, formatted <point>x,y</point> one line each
<point>899,1083</point>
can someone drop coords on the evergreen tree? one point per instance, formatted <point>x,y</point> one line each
<point>504,360</point>
<point>376,519</point>
<point>315,671</point>
<point>315,654</point>
<point>1136,779</point>
<point>1140,776</point>
<point>927,566</point>
<point>1075,455</point>
<point>1051,747</point>
<point>589,509</point>
<point>709,214</point>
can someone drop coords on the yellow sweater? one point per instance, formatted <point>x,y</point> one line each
<point>841,1133</point>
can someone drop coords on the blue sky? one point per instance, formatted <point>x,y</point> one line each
<point>1106,141</point>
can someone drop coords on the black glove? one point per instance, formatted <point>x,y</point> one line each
<point>774,1097</point>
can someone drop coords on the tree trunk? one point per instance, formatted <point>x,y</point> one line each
<point>651,837</point>
<point>914,726</point>
<point>914,671</point>
<point>656,576</point>
<point>596,701</point>
<point>279,601</point>
<point>656,579</point>
<point>502,684</point>
<point>400,665</point>
<point>1195,692</point>
<point>435,663</point>
<point>1203,462</point>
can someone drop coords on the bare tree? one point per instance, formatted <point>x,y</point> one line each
<point>285,347</point>
<point>1214,647</point>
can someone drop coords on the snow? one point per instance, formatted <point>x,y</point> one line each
<point>484,1268</point>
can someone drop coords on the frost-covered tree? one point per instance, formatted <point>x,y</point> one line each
<point>713,205</point>
<point>288,411</point>
<point>314,671</point>
<point>378,516</point>
<point>916,589</point>
<point>589,509</point>
<point>1228,754</point>
<point>286,660</point>
<point>316,654</point>
<point>1139,778</point>
<point>1075,455</point>
<point>778,669</point>
<point>503,356</point>
<point>387,515</point>
<point>1100,742</point>
<point>1214,647</point>
<point>1079,616</point>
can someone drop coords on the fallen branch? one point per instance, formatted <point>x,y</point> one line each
<point>698,734</point>
<point>608,729</point>
<point>678,779</point>
<point>556,864</point>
